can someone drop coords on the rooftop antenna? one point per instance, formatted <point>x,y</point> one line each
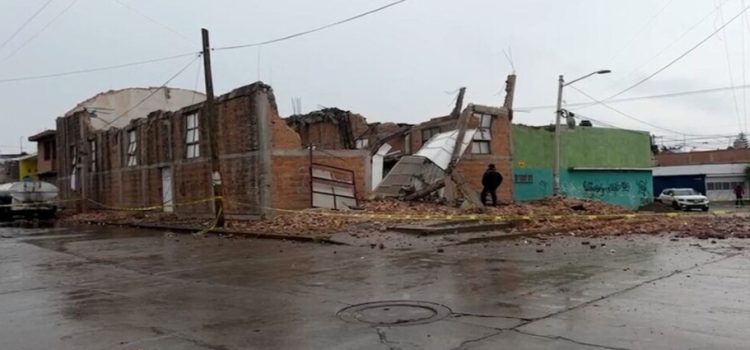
<point>509,56</point>
<point>297,105</point>
<point>259,58</point>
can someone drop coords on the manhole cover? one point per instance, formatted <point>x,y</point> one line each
<point>395,313</point>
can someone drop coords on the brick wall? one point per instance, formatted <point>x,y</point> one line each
<point>291,174</point>
<point>473,166</point>
<point>329,128</point>
<point>706,157</point>
<point>161,144</point>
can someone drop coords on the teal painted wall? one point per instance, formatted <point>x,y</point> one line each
<point>584,148</point>
<point>540,186</point>
<point>626,188</point>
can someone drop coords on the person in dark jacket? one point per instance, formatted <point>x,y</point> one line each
<point>739,192</point>
<point>491,180</point>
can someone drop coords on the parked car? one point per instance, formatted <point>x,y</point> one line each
<point>683,198</point>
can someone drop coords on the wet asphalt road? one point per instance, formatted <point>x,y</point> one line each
<point>104,288</point>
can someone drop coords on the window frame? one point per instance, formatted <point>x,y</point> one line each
<point>482,141</point>
<point>481,147</point>
<point>432,131</point>
<point>482,117</point>
<point>524,179</point>
<point>47,150</point>
<point>132,149</point>
<point>362,143</point>
<point>92,156</point>
<point>192,146</point>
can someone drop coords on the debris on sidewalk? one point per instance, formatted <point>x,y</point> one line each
<point>550,217</point>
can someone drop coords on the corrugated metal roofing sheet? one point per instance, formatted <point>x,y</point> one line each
<point>409,171</point>
<point>439,148</point>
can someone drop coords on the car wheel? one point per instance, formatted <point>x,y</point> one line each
<point>705,208</point>
<point>675,205</point>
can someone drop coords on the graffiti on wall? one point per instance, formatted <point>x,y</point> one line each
<point>644,191</point>
<point>631,193</point>
<point>606,188</point>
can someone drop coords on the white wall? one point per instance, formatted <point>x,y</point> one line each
<point>122,106</point>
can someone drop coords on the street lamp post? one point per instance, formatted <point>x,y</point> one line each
<point>560,85</point>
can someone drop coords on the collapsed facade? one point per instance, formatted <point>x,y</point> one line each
<point>161,158</point>
<point>401,159</point>
<point>117,152</point>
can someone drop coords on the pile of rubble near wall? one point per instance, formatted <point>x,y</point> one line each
<point>559,216</point>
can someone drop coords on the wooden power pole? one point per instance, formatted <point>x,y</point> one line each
<point>209,108</point>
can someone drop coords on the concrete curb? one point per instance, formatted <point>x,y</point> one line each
<point>509,236</point>
<point>186,229</point>
<point>275,236</point>
<point>453,229</point>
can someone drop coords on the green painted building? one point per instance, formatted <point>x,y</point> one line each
<point>612,165</point>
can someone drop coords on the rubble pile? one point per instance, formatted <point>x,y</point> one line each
<point>546,207</point>
<point>556,216</point>
<point>306,223</point>
<point>128,217</point>
<point>682,226</point>
<point>559,206</point>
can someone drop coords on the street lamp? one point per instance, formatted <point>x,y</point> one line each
<point>560,86</point>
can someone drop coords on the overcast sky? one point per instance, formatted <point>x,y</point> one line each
<point>402,64</point>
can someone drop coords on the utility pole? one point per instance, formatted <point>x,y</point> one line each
<point>556,166</point>
<point>560,85</point>
<point>209,108</point>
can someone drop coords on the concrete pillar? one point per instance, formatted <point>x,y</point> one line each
<point>261,112</point>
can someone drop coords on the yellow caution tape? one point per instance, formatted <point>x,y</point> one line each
<point>209,229</point>
<point>155,207</point>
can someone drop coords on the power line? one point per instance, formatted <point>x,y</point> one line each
<point>152,92</point>
<point>607,124</point>
<point>674,42</point>
<point>154,21</point>
<point>292,36</point>
<point>641,98</point>
<point>35,35</point>
<point>98,69</point>
<point>744,70</point>
<point>25,24</point>
<point>137,63</point>
<point>640,31</point>
<point>680,57</point>
<point>625,114</point>
<point>729,67</point>
<point>706,138</point>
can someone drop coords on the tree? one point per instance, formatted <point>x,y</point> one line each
<point>741,141</point>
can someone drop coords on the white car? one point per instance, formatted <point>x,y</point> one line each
<point>683,198</point>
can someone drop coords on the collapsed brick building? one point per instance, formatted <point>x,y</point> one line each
<point>163,159</point>
<point>337,129</point>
